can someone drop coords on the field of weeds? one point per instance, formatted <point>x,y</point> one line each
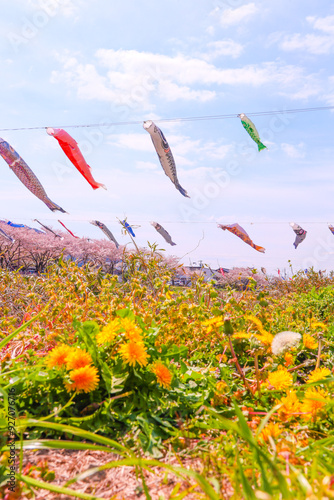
<point>138,389</point>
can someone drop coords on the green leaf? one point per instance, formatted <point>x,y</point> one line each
<point>56,444</point>
<point>125,313</point>
<point>6,340</point>
<point>76,431</point>
<point>249,493</point>
<point>56,489</point>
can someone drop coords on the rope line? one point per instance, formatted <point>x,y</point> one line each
<point>133,221</point>
<point>181,119</point>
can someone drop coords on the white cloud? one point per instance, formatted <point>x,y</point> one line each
<point>136,142</point>
<point>309,86</point>
<point>294,151</point>
<point>216,151</point>
<point>182,147</point>
<point>172,92</point>
<point>223,48</point>
<point>330,96</point>
<point>52,8</point>
<point>325,24</point>
<point>146,165</point>
<point>210,30</point>
<point>135,79</point>
<point>313,43</point>
<point>232,17</point>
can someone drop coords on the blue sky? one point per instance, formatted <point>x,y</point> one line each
<point>72,62</point>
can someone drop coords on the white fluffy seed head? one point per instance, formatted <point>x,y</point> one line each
<point>283,341</point>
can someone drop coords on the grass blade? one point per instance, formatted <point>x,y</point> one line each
<point>56,489</point>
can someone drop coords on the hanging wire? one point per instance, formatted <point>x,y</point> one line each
<point>134,221</point>
<point>184,119</point>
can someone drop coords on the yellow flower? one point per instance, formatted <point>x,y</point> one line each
<point>266,338</point>
<point>309,341</point>
<point>162,373</point>
<point>318,326</point>
<point>290,406</point>
<point>281,379</point>
<point>288,358</point>
<point>217,321</point>
<point>108,332</point>
<point>314,401</point>
<point>318,374</point>
<point>134,352</point>
<point>256,322</point>
<point>85,379</point>
<point>168,296</point>
<point>272,430</point>
<point>132,331</point>
<point>213,323</point>
<point>221,385</point>
<point>58,356</point>
<point>78,358</point>
<point>242,335</point>
<point>184,308</point>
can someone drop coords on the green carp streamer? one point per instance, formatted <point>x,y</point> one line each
<point>251,129</point>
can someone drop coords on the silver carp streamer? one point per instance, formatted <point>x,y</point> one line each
<point>106,231</point>
<point>7,236</point>
<point>26,175</point>
<point>300,233</point>
<point>167,237</point>
<point>48,229</point>
<point>164,153</point>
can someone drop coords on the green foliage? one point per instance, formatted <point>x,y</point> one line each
<point>219,397</point>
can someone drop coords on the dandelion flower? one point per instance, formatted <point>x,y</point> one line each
<point>78,358</point>
<point>84,379</point>
<point>266,338</point>
<point>108,332</point>
<point>314,401</point>
<point>272,430</point>
<point>288,359</point>
<point>221,386</point>
<point>132,331</point>
<point>256,322</point>
<point>213,321</point>
<point>281,379</point>
<point>309,342</point>
<point>318,374</point>
<point>134,352</point>
<point>290,406</point>
<point>284,341</point>
<point>242,335</point>
<point>318,326</point>
<point>162,373</point>
<point>58,356</point>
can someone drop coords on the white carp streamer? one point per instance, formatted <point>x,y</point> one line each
<point>300,233</point>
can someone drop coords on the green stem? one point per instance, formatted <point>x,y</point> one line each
<point>319,350</point>
<point>236,362</point>
<point>257,374</point>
